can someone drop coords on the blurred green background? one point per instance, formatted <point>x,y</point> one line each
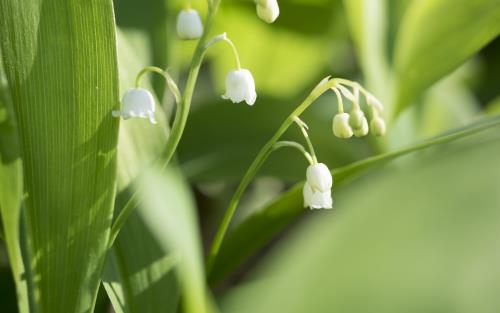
<point>421,234</point>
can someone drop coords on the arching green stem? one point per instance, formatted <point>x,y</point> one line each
<point>296,145</point>
<point>266,150</point>
<point>179,121</point>
<point>172,86</point>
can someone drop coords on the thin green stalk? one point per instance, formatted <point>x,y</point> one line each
<point>296,145</point>
<point>386,157</point>
<point>179,121</point>
<point>255,166</point>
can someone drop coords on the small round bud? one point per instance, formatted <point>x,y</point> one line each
<point>268,10</point>
<point>341,127</point>
<point>240,86</point>
<point>189,24</point>
<point>363,130</point>
<point>356,118</point>
<point>377,126</point>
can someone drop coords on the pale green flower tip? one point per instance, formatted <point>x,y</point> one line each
<point>363,130</point>
<point>377,126</point>
<point>356,118</point>
<point>268,10</point>
<point>189,25</point>
<point>341,127</point>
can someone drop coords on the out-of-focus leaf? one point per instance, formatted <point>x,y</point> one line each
<point>281,61</point>
<point>417,239</point>
<point>166,194</point>
<point>436,37</point>
<point>11,187</point>
<point>138,275</point>
<point>60,63</point>
<point>262,226</point>
<point>222,139</point>
<point>367,21</point>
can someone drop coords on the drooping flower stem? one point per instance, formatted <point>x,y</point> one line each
<point>223,37</point>
<point>180,118</point>
<point>172,86</point>
<point>303,128</point>
<point>266,150</point>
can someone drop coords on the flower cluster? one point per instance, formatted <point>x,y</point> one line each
<point>240,85</point>
<point>345,125</point>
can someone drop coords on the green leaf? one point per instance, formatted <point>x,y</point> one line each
<point>60,62</point>
<point>225,155</point>
<point>166,194</point>
<point>262,226</point>
<point>11,187</point>
<point>138,275</point>
<point>414,239</point>
<point>367,21</point>
<point>436,37</point>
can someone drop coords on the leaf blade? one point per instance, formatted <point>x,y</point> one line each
<point>62,75</point>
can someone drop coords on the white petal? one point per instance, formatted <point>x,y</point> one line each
<point>189,25</point>
<point>240,86</point>
<point>319,177</point>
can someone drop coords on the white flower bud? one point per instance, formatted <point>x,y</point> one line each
<point>363,130</point>
<point>268,10</point>
<point>240,86</point>
<point>139,103</point>
<point>189,24</point>
<point>356,118</point>
<point>377,126</point>
<point>319,177</point>
<point>341,127</point>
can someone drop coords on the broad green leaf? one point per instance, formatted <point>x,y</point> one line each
<point>259,228</point>
<point>165,194</point>
<point>11,191</point>
<point>367,22</point>
<point>138,275</point>
<point>413,239</point>
<point>436,37</point>
<point>60,62</point>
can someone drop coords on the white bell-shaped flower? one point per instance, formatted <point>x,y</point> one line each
<point>189,24</point>
<point>317,189</point>
<point>139,103</point>
<point>268,10</point>
<point>240,86</point>
<point>341,127</point>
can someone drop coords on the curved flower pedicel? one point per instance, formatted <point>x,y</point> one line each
<point>240,85</point>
